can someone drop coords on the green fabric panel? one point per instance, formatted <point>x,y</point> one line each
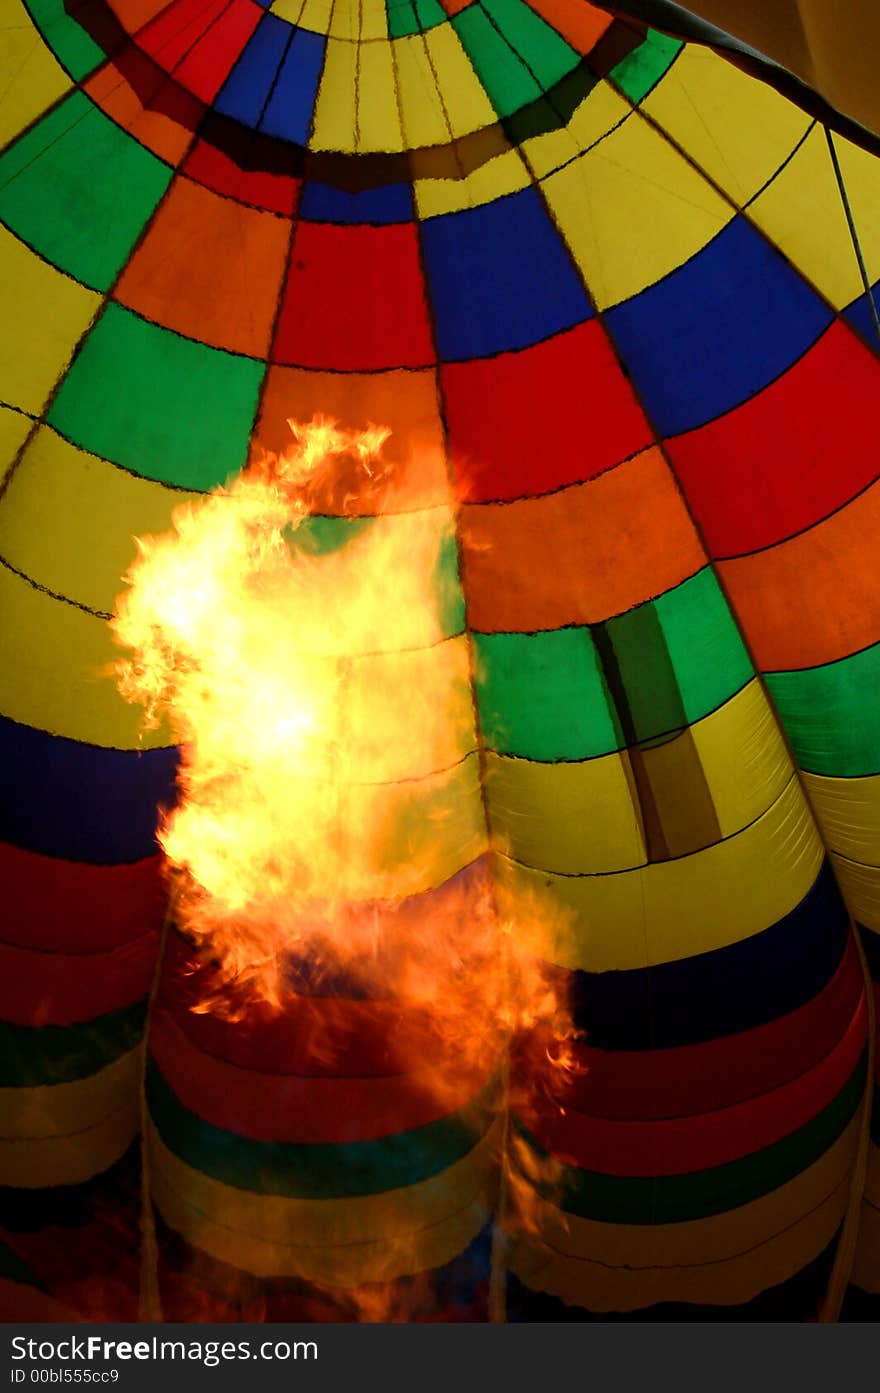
<point>79,191</point>
<point>316,1170</point>
<point>73,47</point>
<point>831,714</point>
<point>161,405</point>
<point>508,83</point>
<point>429,14</point>
<point>704,644</point>
<point>642,69</point>
<point>670,1199</point>
<point>542,696</point>
<point>31,1056</point>
<point>401,18</point>
<point>545,53</point>
<point>546,696</point>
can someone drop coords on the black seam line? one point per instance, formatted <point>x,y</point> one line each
<point>128,1106</point>
<point>19,410</point>
<point>767,1093</point>
<point>380,1239</point>
<point>391,783</point>
<point>839,778</point>
<point>704,1219</point>
<point>96,318</point>
<point>801,531</point>
<point>836,314</point>
<point>185,489</point>
<point>811,126</point>
<point>78,953</point>
<point>645,865</point>
<point>66,860</point>
<point>578,624</point>
<point>620,750</point>
<point>468,504</point>
<point>856,865</point>
<point>820,667</point>
<point>53,594</point>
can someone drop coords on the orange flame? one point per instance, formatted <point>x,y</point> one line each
<point>330,773</point>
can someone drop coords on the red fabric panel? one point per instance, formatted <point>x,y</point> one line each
<point>678,1145</point>
<point>276,193</point>
<point>171,35</point>
<point>693,1079</point>
<point>207,66</point>
<point>74,907</point>
<point>790,455</point>
<point>355,300</point>
<point>313,1036</point>
<point>530,422</point>
<point>62,988</point>
<point>267,1107</point>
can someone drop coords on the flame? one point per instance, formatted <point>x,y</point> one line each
<point>329,780</point>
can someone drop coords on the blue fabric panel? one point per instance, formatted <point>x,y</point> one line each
<point>289,111</point>
<point>244,92</point>
<point>716,330</point>
<point>81,802</point>
<point>718,993</point>
<point>392,203</point>
<point>500,278</point>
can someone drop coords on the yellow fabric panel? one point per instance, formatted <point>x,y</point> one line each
<point>415,1230</point>
<point>329,1223</point>
<point>315,15</point>
<point>599,113</point>
<point>378,113</point>
<point>568,818</point>
<point>410,714</point>
<point>802,214</point>
<point>631,210</point>
<point>52,673</point>
<point>424,120</point>
<point>737,129</point>
<point>674,909</point>
<point>287,9</point>
<point>335,117</point>
<point>14,428</point>
<point>697,1242</point>
<point>70,1160</point>
<point>68,520</point>
<point>65,1109</point>
<point>33,80</point>
<point>49,312</point>
<point>580,818</point>
<point>504,174</point>
<point>464,97</point>
<point>374,20</point>
<point>861,175</point>
<point>848,812</point>
<point>744,758</point>
<point>860,886</point>
<point>345,20</point>
<point>729,1282</point>
<point>832,47</point>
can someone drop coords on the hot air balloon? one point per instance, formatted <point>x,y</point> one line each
<point>610,296</point>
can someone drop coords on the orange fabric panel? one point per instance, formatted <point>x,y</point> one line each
<point>134,14</point>
<point>813,598</point>
<point>581,555</point>
<point>580,24</point>
<point>404,400</point>
<point>209,268</point>
<point>160,116</point>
